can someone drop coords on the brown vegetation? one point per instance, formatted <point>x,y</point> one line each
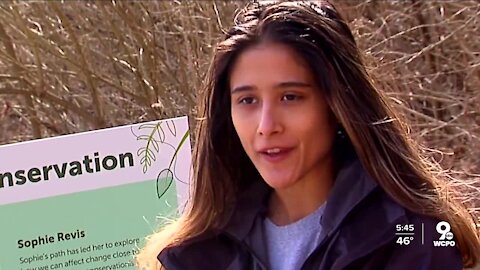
<point>82,65</point>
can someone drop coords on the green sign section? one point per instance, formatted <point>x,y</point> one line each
<point>99,229</point>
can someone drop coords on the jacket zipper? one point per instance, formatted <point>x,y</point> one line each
<point>256,260</point>
<point>257,264</point>
<point>344,263</point>
<point>315,251</point>
<point>363,253</point>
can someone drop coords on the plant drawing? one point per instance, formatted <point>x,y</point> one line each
<point>155,138</point>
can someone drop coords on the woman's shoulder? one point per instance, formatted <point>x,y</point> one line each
<point>415,239</point>
<point>382,210</point>
<point>212,248</point>
<point>425,242</point>
<point>392,237</point>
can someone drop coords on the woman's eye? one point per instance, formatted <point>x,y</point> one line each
<point>290,97</point>
<point>247,100</point>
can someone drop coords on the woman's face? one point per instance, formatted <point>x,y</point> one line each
<point>280,116</point>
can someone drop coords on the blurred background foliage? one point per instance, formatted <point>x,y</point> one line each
<point>72,66</point>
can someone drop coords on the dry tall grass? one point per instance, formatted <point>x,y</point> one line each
<point>82,65</point>
<point>427,56</point>
<point>86,65</point>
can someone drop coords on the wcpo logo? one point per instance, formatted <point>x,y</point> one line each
<point>446,236</point>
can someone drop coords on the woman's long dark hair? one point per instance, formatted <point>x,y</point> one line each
<point>317,32</point>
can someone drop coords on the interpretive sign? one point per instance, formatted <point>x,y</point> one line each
<point>86,201</point>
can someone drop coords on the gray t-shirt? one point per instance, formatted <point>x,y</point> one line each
<point>289,246</point>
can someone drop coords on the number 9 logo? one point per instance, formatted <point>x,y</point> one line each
<point>443,228</point>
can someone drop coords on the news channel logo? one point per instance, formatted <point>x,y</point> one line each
<point>446,236</point>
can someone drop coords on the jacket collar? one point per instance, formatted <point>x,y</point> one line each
<point>251,204</point>
<point>351,186</point>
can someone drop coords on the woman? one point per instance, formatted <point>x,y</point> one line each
<point>300,163</point>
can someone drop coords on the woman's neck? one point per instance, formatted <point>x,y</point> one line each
<point>291,204</point>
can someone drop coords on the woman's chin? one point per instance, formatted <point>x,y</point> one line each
<point>279,183</point>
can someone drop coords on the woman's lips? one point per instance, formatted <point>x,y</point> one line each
<point>275,154</point>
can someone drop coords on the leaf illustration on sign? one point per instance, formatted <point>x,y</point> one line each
<point>166,176</point>
<point>171,127</point>
<point>164,181</point>
<point>154,136</point>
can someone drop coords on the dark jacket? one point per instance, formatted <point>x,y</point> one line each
<point>360,226</point>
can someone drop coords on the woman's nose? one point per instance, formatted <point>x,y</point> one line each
<point>269,122</point>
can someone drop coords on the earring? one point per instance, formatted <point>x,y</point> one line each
<point>340,133</point>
